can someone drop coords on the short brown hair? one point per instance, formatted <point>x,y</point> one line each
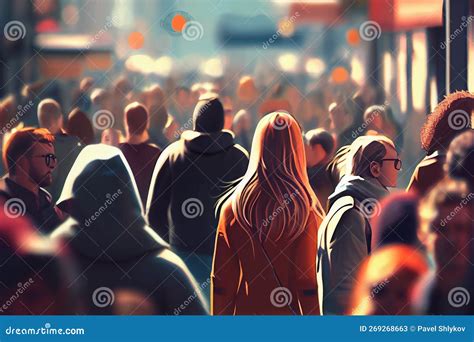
<point>136,117</point>
<point>20,142</point>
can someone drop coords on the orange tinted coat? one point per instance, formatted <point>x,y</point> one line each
<point>242,280</point>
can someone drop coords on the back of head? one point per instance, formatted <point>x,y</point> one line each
<point>208,116</point>
<point>246,90</point>
<point>276,174</point>
<point>136,118</point>
<point>79,125</point>
<point>451,117</point>
<point>397,221</point>
<point>364,151</point>
<point>320,136</point>
<point>158,118</point>
<point>460,158</point>
<point>49,114</point>
<point>387,271</point>
<point>20,142</point>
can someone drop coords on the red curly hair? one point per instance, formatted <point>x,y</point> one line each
<point>451,117</point>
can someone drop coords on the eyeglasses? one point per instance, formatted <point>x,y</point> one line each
<point>397,163</point>
<point>48,158</point>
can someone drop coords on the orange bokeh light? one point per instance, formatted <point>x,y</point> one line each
<point>353,37</point>
<point>178,22</point>
<point>136,40</point>
<point>340,75</point>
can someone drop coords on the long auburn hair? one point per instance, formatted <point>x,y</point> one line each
<point>274,198</point>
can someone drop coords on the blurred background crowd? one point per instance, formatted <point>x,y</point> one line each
<point>236,157</point>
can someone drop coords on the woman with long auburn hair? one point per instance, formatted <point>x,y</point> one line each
<point>265,253</point>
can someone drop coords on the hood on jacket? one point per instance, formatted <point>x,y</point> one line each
<point>359,188</point>
<point>106,213</point>
<point>208,143</point>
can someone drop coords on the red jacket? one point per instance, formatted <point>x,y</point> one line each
<point>243,282</point>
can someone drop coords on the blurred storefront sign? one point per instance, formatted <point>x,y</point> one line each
<point>395,15</point>
<point>69,56</point>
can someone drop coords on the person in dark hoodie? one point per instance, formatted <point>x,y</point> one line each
<point>67,147</point>
<point>344,237</point>
<point>116,251</point>
<point>30,159</point>
<point>190,176</point>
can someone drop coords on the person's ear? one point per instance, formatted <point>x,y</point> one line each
<point>375,169</point>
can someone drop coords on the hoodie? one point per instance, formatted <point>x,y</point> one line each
<point>118,253</point>
<point>189,177</point>
<point>344,240</point>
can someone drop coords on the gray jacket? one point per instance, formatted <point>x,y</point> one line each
<point>344,240</point>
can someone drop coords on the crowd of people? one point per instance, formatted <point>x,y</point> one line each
<point>196,201</point>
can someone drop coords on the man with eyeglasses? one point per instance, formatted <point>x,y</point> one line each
<point>345,235</point>
<point>30,160</point>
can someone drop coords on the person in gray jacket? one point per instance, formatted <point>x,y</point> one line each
<point>125,266</point>
<point>344,237</point>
